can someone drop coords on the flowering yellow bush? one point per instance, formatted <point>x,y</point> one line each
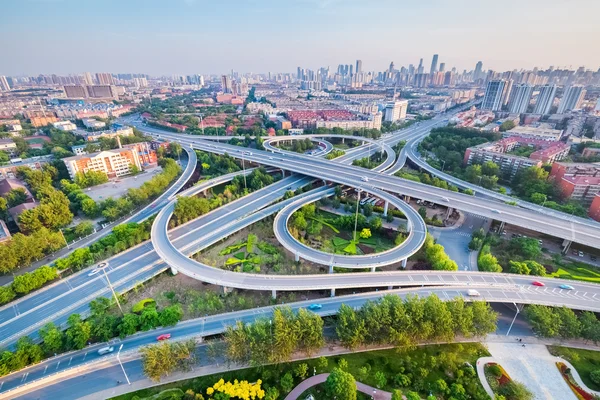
<point>238,390</point>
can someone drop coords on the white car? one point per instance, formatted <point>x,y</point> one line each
<point>473,293</point>
<point>495,211</point>
<point>364,179</point>
<point>94,271</point>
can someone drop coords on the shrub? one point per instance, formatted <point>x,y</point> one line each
<point>595,376</point>
<point>140,305</point>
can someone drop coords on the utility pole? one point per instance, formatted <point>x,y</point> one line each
<point>64,238</point>
<point>121,364</point>
<point>103,266</point>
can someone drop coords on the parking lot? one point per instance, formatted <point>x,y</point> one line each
<point>118,187</point>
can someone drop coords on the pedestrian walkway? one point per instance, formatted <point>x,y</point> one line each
<point>318,379</point>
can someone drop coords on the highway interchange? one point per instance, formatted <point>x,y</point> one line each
<point>55,303</point>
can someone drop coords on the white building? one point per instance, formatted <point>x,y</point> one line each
<point>545,99</point>
<point>93,123</point>
<point>520,97</point>
<point>396,110</point>
<point>65,125</point>
<point>492,100</point>
<point>530,132</point>
<point>4,86</point>
<point>572,99</point>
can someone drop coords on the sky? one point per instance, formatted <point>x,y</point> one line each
<point>165,37</point>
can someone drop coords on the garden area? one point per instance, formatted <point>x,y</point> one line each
<point>586,362</point>
<point>334,233</point>
<point>502,384</point>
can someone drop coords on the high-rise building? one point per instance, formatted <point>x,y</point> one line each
<point>434,62</point>
<point>4,86</point>
<point>507,90</point>
<point>520,97</point>
<point>226,84</point>
<point>420,67</point>
<point>358,66</point>
<point>571,99</point>
<point>545,99</point>
<point>478,71</point>
<point>442,67</point>
<point>391,67</point>
<point>492,100</point>
<point>104,78</point>
<point>396,110</point>
<point>87,78</point>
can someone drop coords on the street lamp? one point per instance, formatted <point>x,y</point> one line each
<point>443,164</point>
<point>513,321</point>
<point>244,168</point>
<point>103,267</point>
<point>121,364</point>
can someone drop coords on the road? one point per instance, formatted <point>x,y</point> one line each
<point>189,164</point>
<point>102,372</point>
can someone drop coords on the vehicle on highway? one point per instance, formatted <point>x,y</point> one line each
<point>270,158</point>
<point>495,211</point>
<point>565,286</point>
<point>580,254</point>
<point>446,199</point>
<point>364,179</point>
<point>593,257</point>
<point>247,153</point>
<point>164,336</point>
<point>94,271</point>
<point>106,350</point>
<point>315,307</point>
<point>473,293</point>
<point>537,283</point>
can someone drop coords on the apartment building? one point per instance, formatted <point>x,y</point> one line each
<point>94,136</point>
<point>114,163</point>
<point>531,132</point>
<point>594,211</point>
<point>580,188</point>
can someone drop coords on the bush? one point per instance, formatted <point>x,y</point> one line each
<point>595,376</point>
<point>140,305</point>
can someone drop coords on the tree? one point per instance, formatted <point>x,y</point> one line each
<point>340,385</point>
<point>15,197</point>
<point>368,210</point>
<point>380,379</point>
<point>423,212</point>
<point>171,315</point>
<point>78,333</point>
<point>84,228</point>
<point>271,393</point>
<point>301,370</point>
<point>322,363</point>
<point>397,394</point>
<point>365,233</point>
<point>413,396</point>
<point>507,126</point>
<point>175,149</point>
<point>129,325</point>
<point>538,198</point>
<point>542,320</point>
<point>490,168</point>
<point>595,376</point>
<point>167,357</point>
<point>287,382</point>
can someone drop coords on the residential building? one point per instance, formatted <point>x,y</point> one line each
<point>43,121</point>
<point>492,100</point>
<point>91,91</point>
<point>534,133</point>
<point>358,67</point>
<point>296,131</point>
<point>114,163</point>
<point>545,99</point>
<point>145,154</point>
<point>6,185</point>
<point>580,188</point>
<point>65,125</point>
<point>591,152</point>
<point>434,62</point>
<point>572,99</point>
<point>92,123</point>
<point>4,233</point>
<point>4,86</point>
<point>594,211</point>
<point>105,78</point>
<point>226,84</point>
<point>94,136</point>
<point>395,111</point>
<point>87,78</point>
<point>8,146</point>
<point>9,171</point>
<point>79,149</point>
<point>561,169</point>
<point>75,91</point>
<point>520,97</point>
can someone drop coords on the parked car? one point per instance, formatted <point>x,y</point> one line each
<point>580,254</point>
<point>164,336</point>
<point>537,283</point>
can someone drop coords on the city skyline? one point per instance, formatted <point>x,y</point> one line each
<point>156,39</point>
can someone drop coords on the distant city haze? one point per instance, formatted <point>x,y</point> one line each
<point>198,36</point>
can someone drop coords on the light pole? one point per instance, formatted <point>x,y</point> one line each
<point>513,321</point>
<point>356,217</point>
<point>443,164</point>
<point>64,238</point>
<point>121,364</point>
<point>244,168</point>
<point>103,266</point>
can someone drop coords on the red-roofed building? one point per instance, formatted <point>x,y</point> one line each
<point>594,211</point>
<point>581,188</point>
<point>271,132</point>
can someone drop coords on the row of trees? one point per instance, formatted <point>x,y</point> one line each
<point>214,164</point>
<point>102,325</point>
<point>90,178</point>
<point>399,322</point>
<point>562,322</point>
<point>436,256</point>
<point>427,179</point>
<point>22,249</point>
<point>167,357</point>
<point>25,283</point>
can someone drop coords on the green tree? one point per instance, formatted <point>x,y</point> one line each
<point>413,396</point>
<point>287,382</point>
<point>595,376</point>
<point>15,197</point>
<point>271,393</point>
<point>397,394</point>
<point>380,379</point>
<point>129,325</point>
<point>507,126</point>
<point>514,390</point>
<point>171,315</point>
<point>340,385</point>
<point>78,333</point>
<point>167,357</point>
<point>301,370</point>
<point>365,233</point>
<point>322,363</point>
<point>376,223</point>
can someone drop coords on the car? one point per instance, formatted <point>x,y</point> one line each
<point>537,283</point>
<point>315,307</point>
<point>446,199</point>
<point>94,271</point>
<point>364,179</point>
<point>164,336</point>
<point>495,211</point>
<point>574,252</point>
<point>593,258</point>
<point>270,158</point>
<point>580,254</point>
<point>106,350</point>
<point>473,293</point>
<point>566,287</point>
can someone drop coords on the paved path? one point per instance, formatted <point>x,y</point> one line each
<point>317,379</point>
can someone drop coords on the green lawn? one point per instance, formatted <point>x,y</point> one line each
<point>423,366</point>
<point>584,361</point>
<point>579,272</point>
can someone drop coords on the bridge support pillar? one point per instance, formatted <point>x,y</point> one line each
<point>373,269</point>
<point>385,208</point>
<point>297,257</point>
<point>566,246</point>
<point>404,263</point>
<point>331,269</point>
<point>390,287</point>
<point>227,289</point>
<point>283,173</point>
<point>332,293</point>
<point>501,227</point>
<point>274,294</point>
<point>174,271</point>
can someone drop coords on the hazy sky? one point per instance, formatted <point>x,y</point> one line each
<point>202,36</point>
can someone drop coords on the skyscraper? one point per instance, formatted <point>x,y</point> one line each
<point>87,78</point>
<point>391,67</point>
<point>225,84</point>
<point>358,66</point>
<point>545,99</point>
<point>572,99</point>
<point>4,86</point>
<point>492,100</point>
<point>104,78</point>
<point>442,67</point>
<point>434,62</point>
<point>478,70</point>
<point>520,97</point>
<point>420,67</point>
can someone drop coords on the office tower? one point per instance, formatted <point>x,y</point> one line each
<point>442,67</point>
<point>420,67</point>
<point>492,100</point>
<point>104,78</point>
<point>449,78</point>
<point>225,84</point>
<point>434,62</point>
<point>520,97</point>
<point>299,74</point>
<point>396,110</point>
<point>545,99</point>
<point>358,66</point>
<point>571,99</point>
<point>201,80</point>
<point>478,71</point>
<point>87,78</point>
<point>507,89</point>
<point>391,67</point>
<point>4,86</point>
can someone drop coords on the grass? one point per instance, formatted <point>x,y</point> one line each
<point>440,361</point>
<point>584,361</point>
<point>578,272</point>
